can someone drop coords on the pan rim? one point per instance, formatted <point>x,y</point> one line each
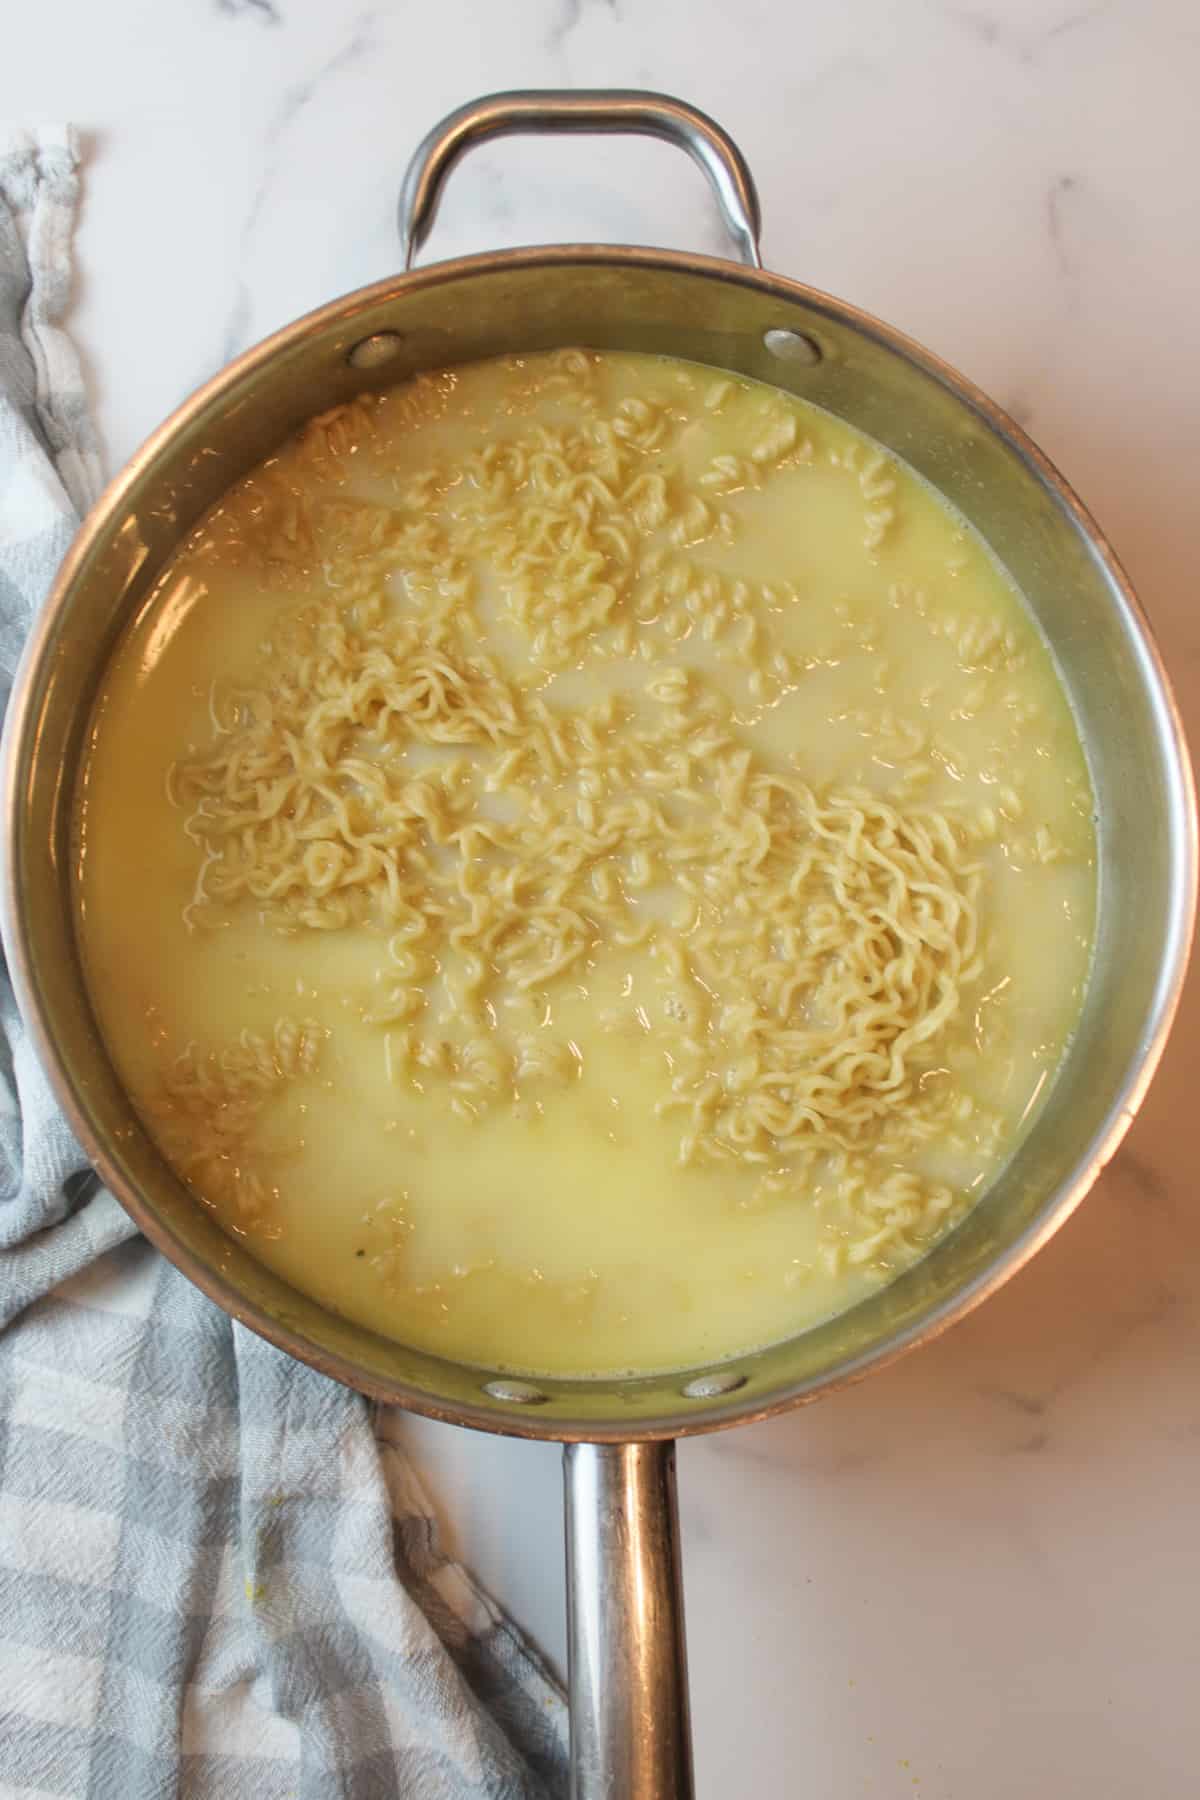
<point>20,727</point>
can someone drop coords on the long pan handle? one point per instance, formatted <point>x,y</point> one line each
<point>627,1658</point>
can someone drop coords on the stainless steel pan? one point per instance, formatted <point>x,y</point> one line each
<point>627,1677</point>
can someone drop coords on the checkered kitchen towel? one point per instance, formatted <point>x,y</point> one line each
<point>215,1579</point>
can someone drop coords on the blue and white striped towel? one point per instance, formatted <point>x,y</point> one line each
<point>215,1579</point>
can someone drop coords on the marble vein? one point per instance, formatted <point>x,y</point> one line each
<point>571,14</point>
<point>1032,1405</point>
<point>296,101</point>
<point>1074,219</point>
<point>1060,197</point>
<point>264,10</point>
<point>1140,1174</point>
<point>993,32</point>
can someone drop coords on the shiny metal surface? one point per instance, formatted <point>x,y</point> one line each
<point>630,1730</point>
<point>374,352</point>
<point>628,111</point>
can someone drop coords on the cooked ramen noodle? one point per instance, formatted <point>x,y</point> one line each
<point>585,863</point>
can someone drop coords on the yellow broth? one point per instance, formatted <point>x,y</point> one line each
<point>585,863</point>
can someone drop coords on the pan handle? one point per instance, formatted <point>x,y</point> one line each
<point>627,1657</point>
<point>625,110</point>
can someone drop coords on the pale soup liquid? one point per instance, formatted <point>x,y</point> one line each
<point>541,1219</point>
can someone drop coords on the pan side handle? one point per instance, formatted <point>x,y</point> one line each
<point>627,1658</point>
<point>626,111</point>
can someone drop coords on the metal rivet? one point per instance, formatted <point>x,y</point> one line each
<point>792,346</point>
<point>707,1387</point>
<point>518,1393</point>
<point>373,352</point>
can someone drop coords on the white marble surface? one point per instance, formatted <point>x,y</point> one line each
<point>976,1576</point>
